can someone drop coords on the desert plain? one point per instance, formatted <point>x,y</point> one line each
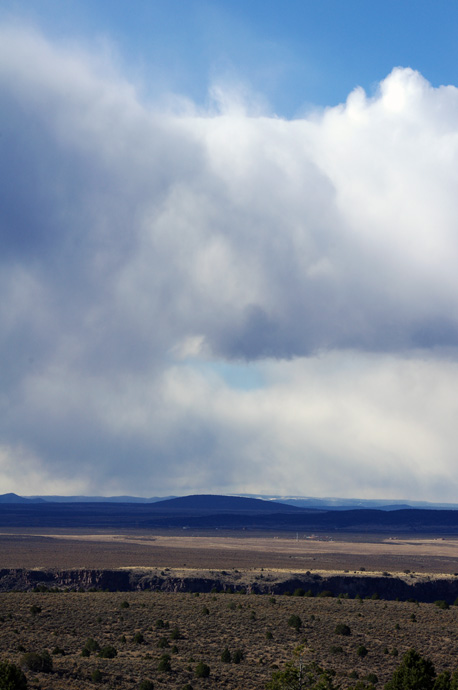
<point>198,627</point>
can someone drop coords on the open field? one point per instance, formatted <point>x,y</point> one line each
<point>72,549</point>
<point>206,624</point>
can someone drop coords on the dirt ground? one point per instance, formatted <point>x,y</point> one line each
<point>71,549</point>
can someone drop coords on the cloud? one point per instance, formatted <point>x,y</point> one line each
<point>143,250</point>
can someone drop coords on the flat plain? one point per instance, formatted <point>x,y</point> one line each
<point>31,548</point>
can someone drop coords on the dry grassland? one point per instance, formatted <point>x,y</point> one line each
<point>234,621</point>
<point>70,549</point>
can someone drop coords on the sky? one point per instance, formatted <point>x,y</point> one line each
<point>229,248</point>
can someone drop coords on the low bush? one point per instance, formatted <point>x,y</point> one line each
<point>202,670</point>
<point>294,621</point>
<point>108,652</point>
<point>441,604</point>
<point>40,663</point>
<point>11,677</point>
<point>96,676</point>
<point>237,656</point>
<point>342,629</point>
<point>164,665</point>
<point>146,685</point>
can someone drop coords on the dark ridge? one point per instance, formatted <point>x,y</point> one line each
<point>213,503</point>
<point>218,514</point>
<point>14,498</point>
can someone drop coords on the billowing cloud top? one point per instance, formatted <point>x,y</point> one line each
<point>141,249</point>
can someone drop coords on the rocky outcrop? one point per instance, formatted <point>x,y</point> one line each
<point>403,587</point>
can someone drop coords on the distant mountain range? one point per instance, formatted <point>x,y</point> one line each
<point>212,512</point>
<point>293,501</point>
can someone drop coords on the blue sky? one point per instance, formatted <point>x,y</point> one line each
<point>296,54</point>
<point>228,248</point>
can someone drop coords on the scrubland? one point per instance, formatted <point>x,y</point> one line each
<point>190,628</point>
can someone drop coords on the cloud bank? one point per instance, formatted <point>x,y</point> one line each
<point>152,260</point>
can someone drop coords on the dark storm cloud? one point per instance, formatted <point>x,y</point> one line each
<point>134,241</point>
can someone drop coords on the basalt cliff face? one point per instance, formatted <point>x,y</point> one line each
<point>397,586</point>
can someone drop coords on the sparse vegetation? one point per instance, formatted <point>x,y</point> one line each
<point>239,652</point>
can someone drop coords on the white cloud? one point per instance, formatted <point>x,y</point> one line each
<point>322,250</point>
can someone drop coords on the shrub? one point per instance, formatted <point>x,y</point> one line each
<point>372,678</point>
<point>11,677</point>
<point>40,663</point>
<point>175,634</point>
<point>206,612</point>
<point>305,676</point>
<point>125,604</point>
<point>138,638</point>
<point>295,622</point>
<point>146,685</point>
<point>326,593</point>
<point>441,604</point>
<point>108,652</point>
<point>342,629</point>
<point>202,670</point>
<point>90,646</point>
<point>299,592</point>
<point>237,656</point>
<point>164,665</point>
<point>35,609</point>
<point>269,635</point>
<point>226,656</point>
<point>96,676</point>
<point>362,651</point>
<point>336,649</point>
<point>160,623</point>
<point>163,643</point>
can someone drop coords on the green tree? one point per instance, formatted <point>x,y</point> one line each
<point>413,673</point>
<point>11,677</point>
<point>299,676</point>
<point>442,681</point>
